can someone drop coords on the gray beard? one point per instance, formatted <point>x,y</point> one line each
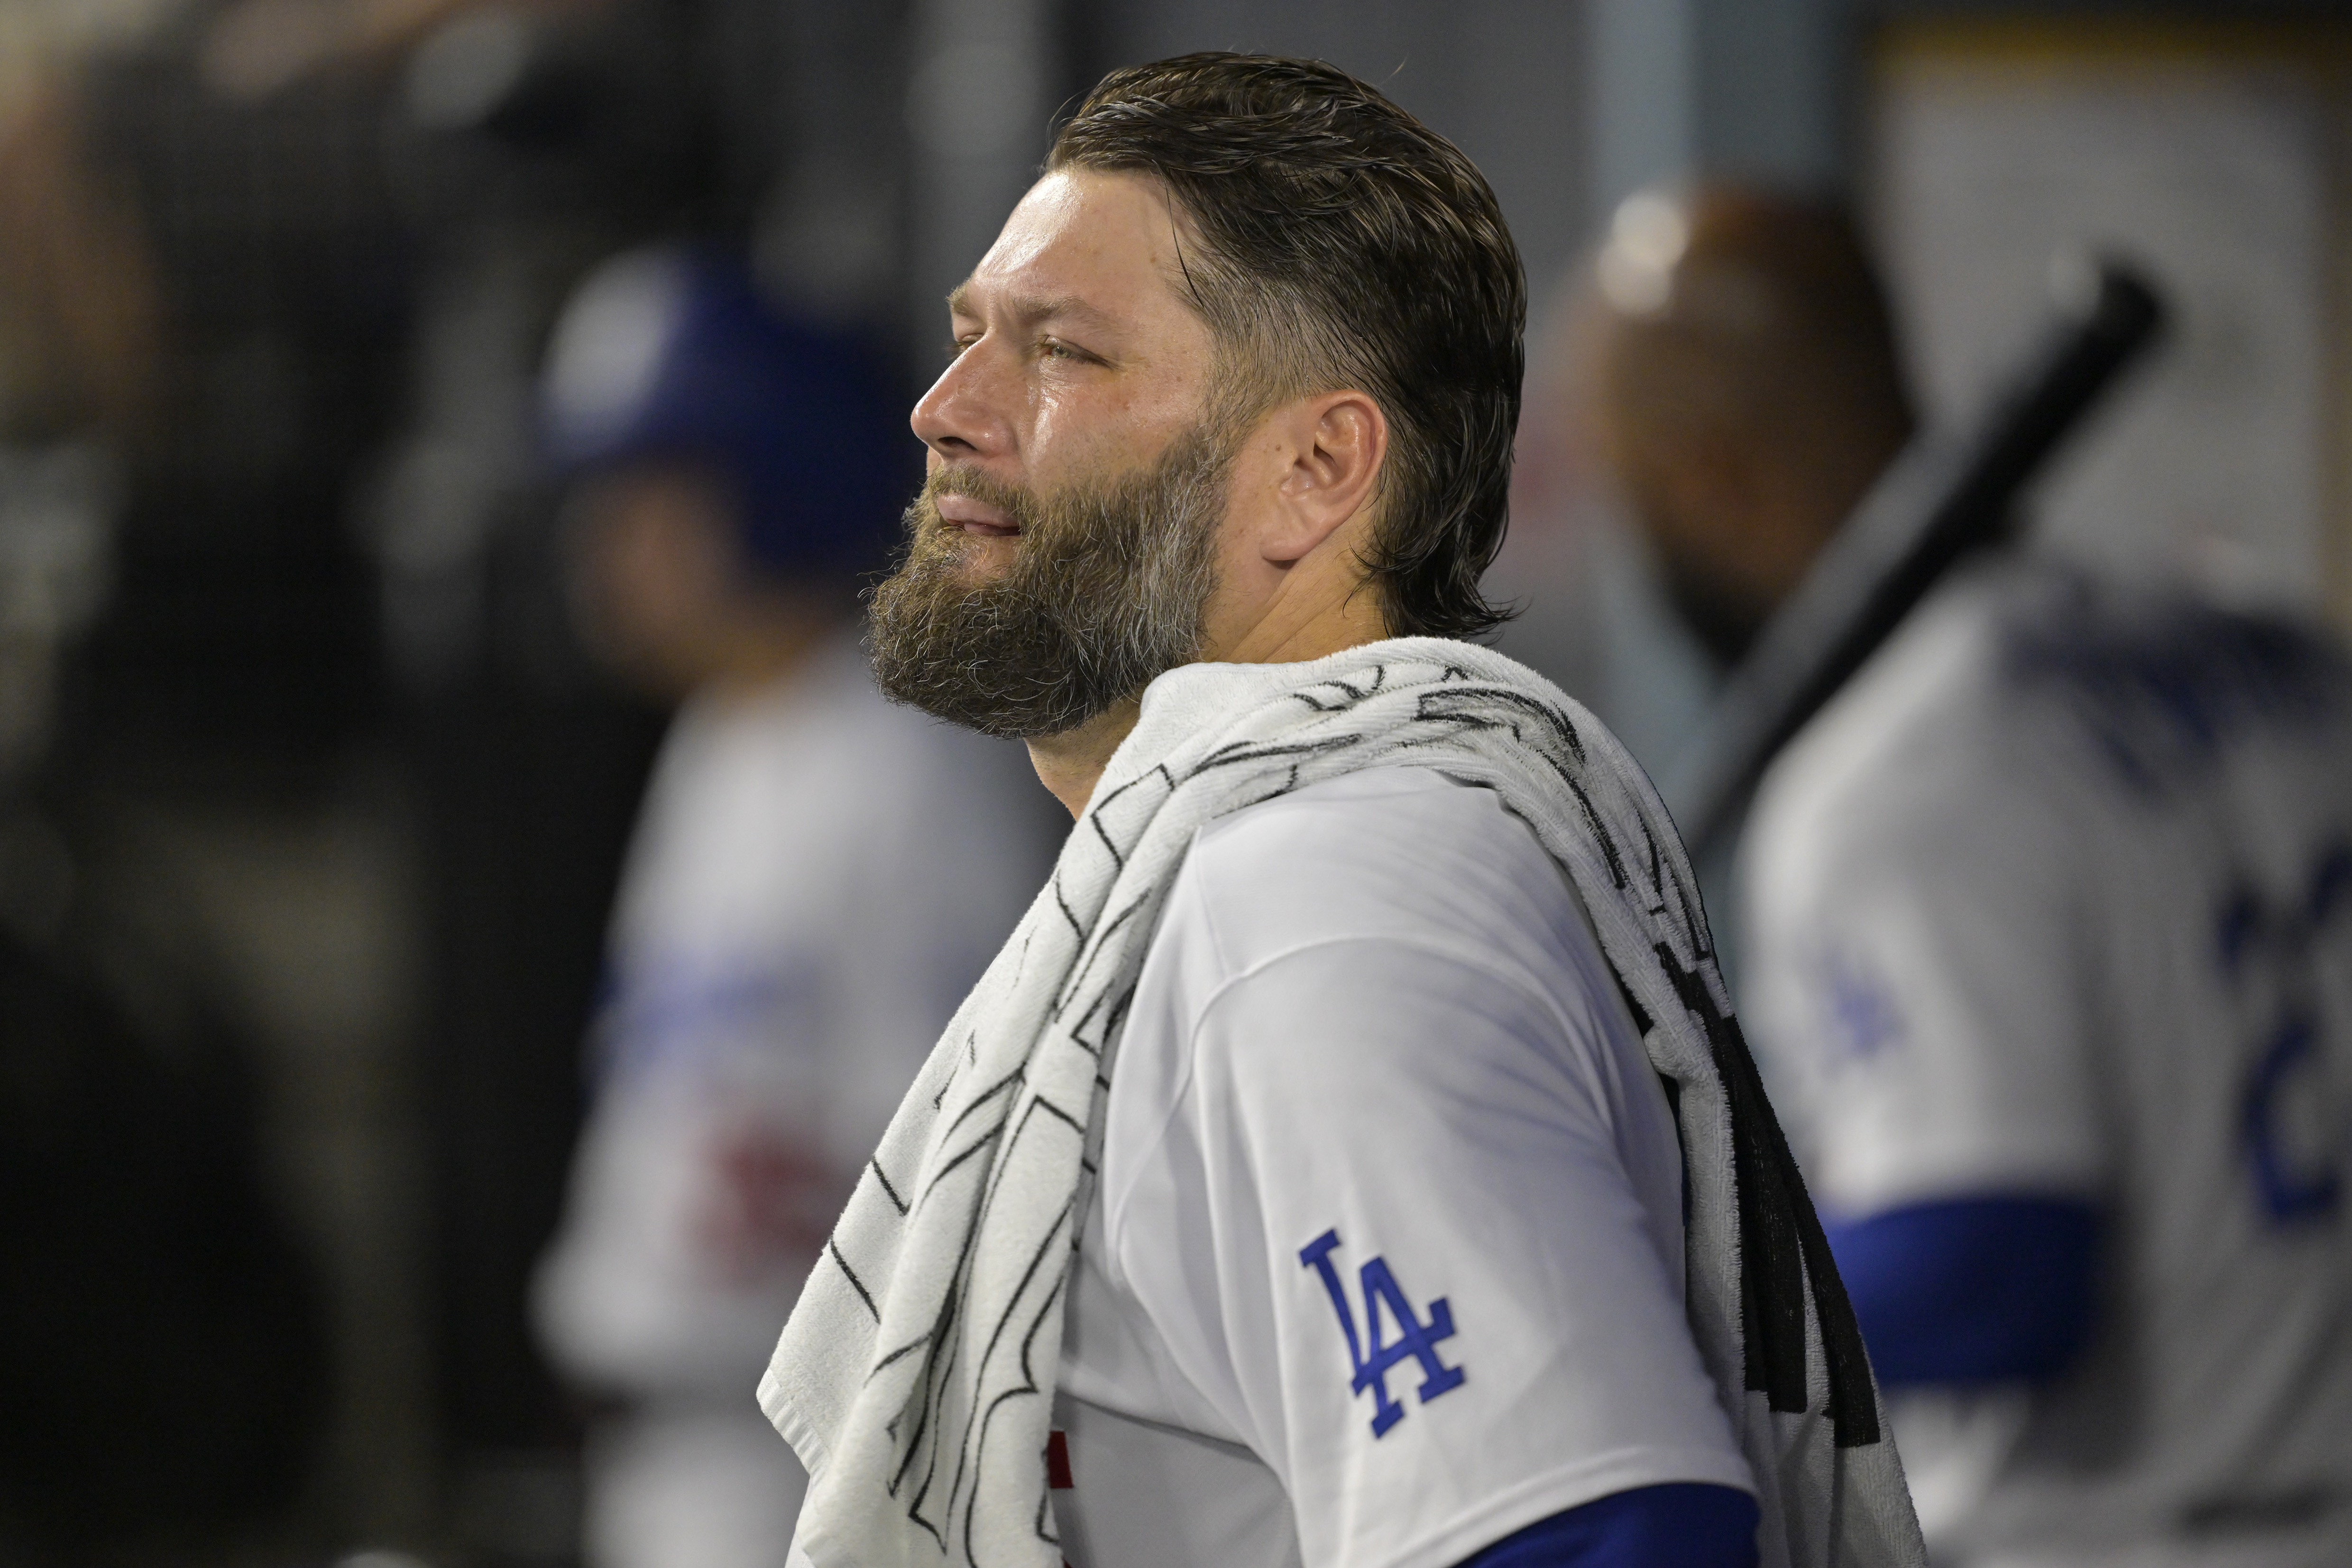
<point>1106,590</point>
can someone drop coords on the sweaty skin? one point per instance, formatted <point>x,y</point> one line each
<point>1079,356</point>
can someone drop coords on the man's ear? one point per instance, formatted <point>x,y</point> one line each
<point>1332,447</point>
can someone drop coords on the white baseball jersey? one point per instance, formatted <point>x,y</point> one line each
<point>2056,900</point>
<point>818,878</point>
<point>1384,1259</point>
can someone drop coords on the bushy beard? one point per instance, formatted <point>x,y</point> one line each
<point>1106,590</point>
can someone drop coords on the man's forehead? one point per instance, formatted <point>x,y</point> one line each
<point>1083,245</point>
<point>974,294</point>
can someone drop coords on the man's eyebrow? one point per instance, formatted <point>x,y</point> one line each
<point>1030,309</point>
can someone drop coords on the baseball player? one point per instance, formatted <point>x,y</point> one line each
<point>815,878</point>
<point>2071,1136</point>
<point>2050,954</point>
<point>1344,1161</point>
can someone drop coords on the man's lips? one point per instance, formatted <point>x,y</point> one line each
<point>977,518</point>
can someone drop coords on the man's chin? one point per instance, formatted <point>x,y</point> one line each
<point>980,558</point>
<point>969,560</point>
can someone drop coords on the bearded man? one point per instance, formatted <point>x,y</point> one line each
<point>1350,1158</point>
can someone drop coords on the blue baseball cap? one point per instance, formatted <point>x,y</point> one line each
<point>671,354</point>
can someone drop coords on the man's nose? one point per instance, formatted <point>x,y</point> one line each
<point>961,417</point>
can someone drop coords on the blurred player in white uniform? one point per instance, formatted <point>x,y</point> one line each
<point>2045,954</point>
<point>2050,954</point>
<point>816,878</point>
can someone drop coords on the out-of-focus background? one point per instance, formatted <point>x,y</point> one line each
<point>307,775</point>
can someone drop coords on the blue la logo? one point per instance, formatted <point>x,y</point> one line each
<point>1370,1355</point>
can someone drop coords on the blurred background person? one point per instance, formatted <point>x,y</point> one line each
<point>174,1283</point>
<point>2048,932</point>
<point>237,239</point>
<point>2050,948</point>
<point>815,880</point>
<point>2046,940</point>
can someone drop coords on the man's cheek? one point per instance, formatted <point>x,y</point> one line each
<point>1088,441</point>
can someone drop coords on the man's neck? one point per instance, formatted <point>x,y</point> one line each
<point>1070,765</point>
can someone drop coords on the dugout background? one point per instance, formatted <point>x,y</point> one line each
<point>294,732</point>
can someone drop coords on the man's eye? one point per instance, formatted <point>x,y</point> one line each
<point>956,346</point>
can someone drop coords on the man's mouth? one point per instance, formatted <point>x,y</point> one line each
<point>977,518</point>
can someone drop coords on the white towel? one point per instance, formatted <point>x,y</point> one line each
<point>916,1377</point>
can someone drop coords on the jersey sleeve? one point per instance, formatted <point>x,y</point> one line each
<point>1916,982</point>
<point>1972,1290</point>
<point>1679,1525</point>
<point>1388,1233</point>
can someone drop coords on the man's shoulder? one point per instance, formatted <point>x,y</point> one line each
<point>1929,734</point>
<point>1930,683</point>
<point>2024,686</point>
<point>1384,854</point>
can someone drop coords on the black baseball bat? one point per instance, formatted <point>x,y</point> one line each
<point>1945,494</point>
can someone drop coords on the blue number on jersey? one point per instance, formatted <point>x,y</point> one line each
<point>1370,1356</point>
<point>2289,1073</point>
